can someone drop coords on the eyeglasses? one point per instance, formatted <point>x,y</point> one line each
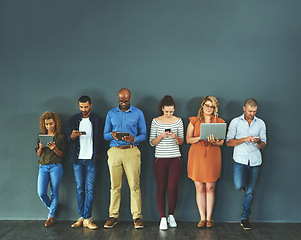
<point>125,102</point>
<point>208,106</point>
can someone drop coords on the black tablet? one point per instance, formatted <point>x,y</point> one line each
<point>121,135</point>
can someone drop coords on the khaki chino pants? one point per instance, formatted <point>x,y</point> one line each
<point>128,161</point>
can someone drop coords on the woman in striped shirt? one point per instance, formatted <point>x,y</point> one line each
<point>166,135</point>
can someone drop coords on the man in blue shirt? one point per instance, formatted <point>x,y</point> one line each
<point>85,136</point>
<point>124,155</point>
<point>247,134</point>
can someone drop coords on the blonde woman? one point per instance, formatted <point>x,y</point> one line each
<point>204,159</point>
<point>50,170</point>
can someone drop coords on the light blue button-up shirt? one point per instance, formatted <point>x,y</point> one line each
<point>247,152</point>
<point>131,121</point>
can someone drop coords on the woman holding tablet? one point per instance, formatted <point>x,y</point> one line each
<point>204,159</point>
<point>50,170</point>
<point>166,135</point>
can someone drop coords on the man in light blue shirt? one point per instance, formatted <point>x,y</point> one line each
<point>247,134</point>
<point>124,155</point>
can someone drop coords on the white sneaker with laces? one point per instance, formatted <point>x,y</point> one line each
<point>172,221</point>
<point>163,224</point>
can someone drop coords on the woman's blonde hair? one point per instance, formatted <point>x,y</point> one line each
<point>214,102</point>
<point>55,118</point>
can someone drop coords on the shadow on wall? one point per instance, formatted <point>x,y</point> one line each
<point>193,106</point>
<point>232,110</point>
<point>149,106</point>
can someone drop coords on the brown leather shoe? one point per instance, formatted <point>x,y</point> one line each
<point>111,222</point>
<point>138,223</point>
<point>202,224</point>
<point>88,223</point>
<point>49,222</point>
<point>78,223</point>
<point>210,223</point>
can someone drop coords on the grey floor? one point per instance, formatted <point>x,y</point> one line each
<point>19,230</point>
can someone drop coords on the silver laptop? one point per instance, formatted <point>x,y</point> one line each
<point>218,130</point>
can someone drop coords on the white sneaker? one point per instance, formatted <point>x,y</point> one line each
<point>172,221</point>
<point>163,224</point>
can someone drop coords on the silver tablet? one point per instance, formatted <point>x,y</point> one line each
<point>45,139</point>
<point>218,130</point>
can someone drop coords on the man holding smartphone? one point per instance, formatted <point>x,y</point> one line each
<point>124,155</point>
<point>247,134</point>
<point>84,135</point>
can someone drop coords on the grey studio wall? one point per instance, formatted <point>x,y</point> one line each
<point>52,52</point>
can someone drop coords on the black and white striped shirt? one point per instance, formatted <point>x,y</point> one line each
<point>167,147</point>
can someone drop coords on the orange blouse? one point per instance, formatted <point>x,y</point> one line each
<point>204,158</point>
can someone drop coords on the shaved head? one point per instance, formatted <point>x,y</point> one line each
<point>125,92</point>
<point>124,98</point>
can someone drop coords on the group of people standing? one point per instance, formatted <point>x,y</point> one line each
<point>246,133</point>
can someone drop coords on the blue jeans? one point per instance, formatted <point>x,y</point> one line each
<point>245,178</point>
<point>50,173</point>
<point>85,173</point>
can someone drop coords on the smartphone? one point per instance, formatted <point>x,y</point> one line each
<point>168,130</point>
<point>82,132</point>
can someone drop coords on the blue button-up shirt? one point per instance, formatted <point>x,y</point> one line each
<point>247,152</point>
<point>131,121</point>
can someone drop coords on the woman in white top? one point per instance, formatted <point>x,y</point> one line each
<point>166,135</point>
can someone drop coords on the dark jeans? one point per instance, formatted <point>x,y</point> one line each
<point>84,173</point>
<point>245,178</point>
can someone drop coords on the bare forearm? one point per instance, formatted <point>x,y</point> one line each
<point>191,140</point>
<point>39,152</point>
<point>156,140</point>
<point>235,142</point>
<point>261,145</point>
<point>180,141</point>
<point>58,152</point>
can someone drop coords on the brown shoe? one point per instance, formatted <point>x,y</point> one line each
<point>138,223</point>
<point>210,224</point>
<point>49,222</point>
<point>202,224</point>
<point>78,223</point>
<point>111,222</point>
<point>88,223</point>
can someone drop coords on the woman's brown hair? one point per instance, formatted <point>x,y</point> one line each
<point>167,100</point>
<point>55,118</point>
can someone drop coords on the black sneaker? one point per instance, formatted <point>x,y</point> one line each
<point>245,224</point>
